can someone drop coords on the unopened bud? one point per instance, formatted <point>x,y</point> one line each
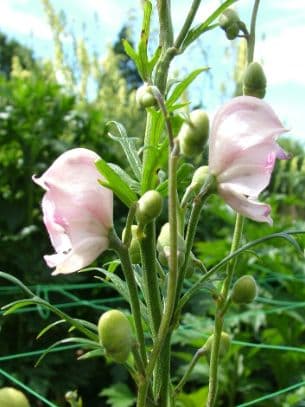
<point>134,246</point>
<point>163,246</point>
<point>255,82</point>
<point>11,397</point>
<point>224,344</point>
<point>229,21</point>
<point>115,335</point>
<point>145,97</point>
<point>149,207</point>
<point>244,290</point>
<point>199,178</point>
<point>194,133</point>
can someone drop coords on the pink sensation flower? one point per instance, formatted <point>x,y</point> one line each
<point>242,154</point>
<point>77,210</point>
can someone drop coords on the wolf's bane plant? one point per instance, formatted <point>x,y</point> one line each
<point>242,154</point>
<point>115,335</point>
<point>11,397</point>
<point>77,211</point>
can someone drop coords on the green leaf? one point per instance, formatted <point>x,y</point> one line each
<point>195,32</point>
<point>121,287</point>
<point>115,183</point>
<point>129,147</point>
<point>13,306</point>
<point>142,47</point>
<point>130,51</point>
<point>134,185</point>
<point>50,326</point>
<point>154,60</point>
<point>116,282</point>
<point>182,177</point>
<point>17,282</point>
<point>85,343</point>
<point>119,395</point>
<point>182,86</point>
<point>96,353</point>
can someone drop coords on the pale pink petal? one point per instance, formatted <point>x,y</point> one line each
<point>77,210</point>
<point>79,257</point>
<point>55,226</point>
<point>246,206</point>
<point>242,153</point>
<point>242,123</point>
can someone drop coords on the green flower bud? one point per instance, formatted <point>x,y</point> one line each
<point>227,18</point>
<point>194,133</point>
<point>229,21</point>
<point>224,345</point>
<point>145,97</point>
<point>134,247</point>
<point>244,290</point>
<point>149,207</point>
<point>232,31</point>
<point>199,178</point>
<point>163,246</point>
<point>115,335</point>
<point>254,82</point>
<point>11,397</point>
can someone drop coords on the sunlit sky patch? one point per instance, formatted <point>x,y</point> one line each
<point>280,33</point>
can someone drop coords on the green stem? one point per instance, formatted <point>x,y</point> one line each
<point>187,24</point>
<point>166,42</point>
<point>189,370</point>
<point>172,275</point>
<point>191,229</point>
<point>251,38</point>
<point>219,316</point>
<point>122,251</point>
<point>149,264</point>
<point>146,152</point>
<point>130,217</point>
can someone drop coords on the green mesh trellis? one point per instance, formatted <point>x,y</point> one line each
<point>104,304</point>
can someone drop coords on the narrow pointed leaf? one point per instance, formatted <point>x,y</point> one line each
<point>134,185</point>
<point>182,86</point>
<point>195,32</point>
<point>17,282</point>
<point>115,183</point>
<point>129,147</point>
<point>96,353</point>
<point>84,343</point>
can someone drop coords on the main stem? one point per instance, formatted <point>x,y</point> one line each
<point>122,251</point>
<point>220,310</point>
<point>150,279</point>
<point>172,276</point>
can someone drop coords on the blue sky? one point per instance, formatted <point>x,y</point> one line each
<point>280,34</point>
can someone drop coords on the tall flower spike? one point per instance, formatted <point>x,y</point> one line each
<point>242,154</point>
<point>77,211</point>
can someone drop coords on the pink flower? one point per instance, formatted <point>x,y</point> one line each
<point>242,153</point>
<point>77,210</point>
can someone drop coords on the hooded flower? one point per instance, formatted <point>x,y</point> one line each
<point>242,154</point>
<point>77,210</point>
